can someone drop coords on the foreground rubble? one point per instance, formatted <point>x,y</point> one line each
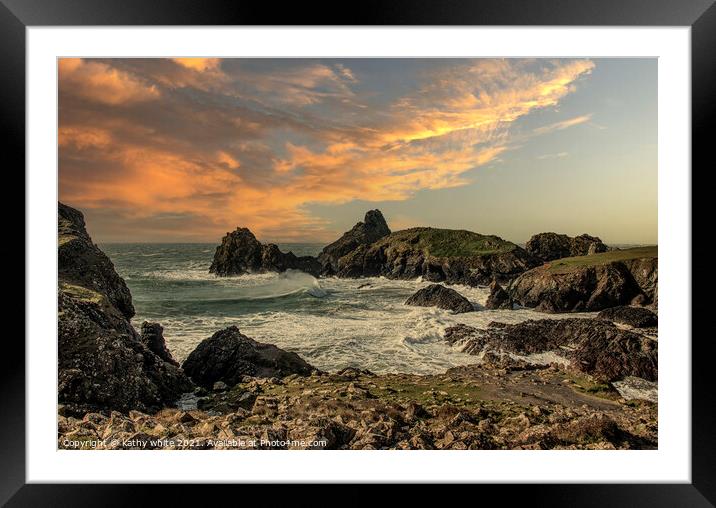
<point>502,404</point>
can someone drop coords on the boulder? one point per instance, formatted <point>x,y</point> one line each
<point>582,289</point>
<point>240,253</point>
<point>637,317</point>
<point>152,336</point>
<point>499,298</point>
<point>228,356</point>
<point>586,245</point>
<point>363,234</point>
<point>593,346</point>
<point>102,362</point>
<point>436,295</point>
<point>549,246</point>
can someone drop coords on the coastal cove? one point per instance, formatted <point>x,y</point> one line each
<point>455,364</point>
<point>332,322</point>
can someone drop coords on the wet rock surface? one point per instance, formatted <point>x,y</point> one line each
<point>498,298</point>
<point>595,347</point>
<point>437,295</point>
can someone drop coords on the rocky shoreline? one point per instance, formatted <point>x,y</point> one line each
<point>121,389</point>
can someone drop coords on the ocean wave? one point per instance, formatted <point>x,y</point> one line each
<point>331,322</point>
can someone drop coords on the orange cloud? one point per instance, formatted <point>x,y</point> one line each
<point>98,82</point>
<point>198,64</point>
<point>254,149</point>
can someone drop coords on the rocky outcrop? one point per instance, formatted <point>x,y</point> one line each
<point>228,356</point>
<point>584,289</point>
<point>498,298</point>
<point>636,317</point>
<point>240,253</point>
<point>586,245</point>
<point>590,283</point>
<point>549,246</point>
<point>152,336</point>
<point>102,363</point>
<point>81,263</point>
<point>436,295</point>
<point>363,234</point>
<point>596,347</point>
<point>437,255</point>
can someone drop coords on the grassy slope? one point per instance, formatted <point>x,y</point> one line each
<point>567,264</point>
<point>449,242</point>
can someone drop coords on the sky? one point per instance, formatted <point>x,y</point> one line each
<point>297,150</point>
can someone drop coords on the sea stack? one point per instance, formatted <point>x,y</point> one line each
<point>364,233</point>
<point>240,253</point>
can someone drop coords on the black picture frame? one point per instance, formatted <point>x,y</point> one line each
<point>17,15</point>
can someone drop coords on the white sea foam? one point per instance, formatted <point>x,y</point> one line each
<point>340,325</point>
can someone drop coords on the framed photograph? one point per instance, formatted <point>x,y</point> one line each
<point>264,247</point>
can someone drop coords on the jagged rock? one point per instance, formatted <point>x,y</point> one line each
<point>645,271</point>
<point>549,246</point>
<point>102,363</point>
<point>152,336</point>
<point>638,317</point>
<point>437,295</point>
<point>499,298</point>
<point>593,346</point>
<point>437,255</point>
<point>228,356</point>
<point>240,253</point>
<point>363,234</point>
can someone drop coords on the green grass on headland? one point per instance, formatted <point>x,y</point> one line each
<point>567,264</point>
<point>449,242</point>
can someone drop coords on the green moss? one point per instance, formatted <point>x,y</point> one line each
<point>82,294</point>
<point>588,385</point>
<point>63,239</point>
<point>388,388</point>
<point>565,265</point>
<point>448,242</point>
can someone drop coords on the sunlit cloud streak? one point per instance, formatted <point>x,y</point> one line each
<point>190,148</point>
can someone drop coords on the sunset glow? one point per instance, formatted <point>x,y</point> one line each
<point>186,149</point>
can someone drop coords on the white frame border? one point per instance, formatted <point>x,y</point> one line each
<point>670,463</point>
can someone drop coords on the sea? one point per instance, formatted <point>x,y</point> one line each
<point>332,323</point>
